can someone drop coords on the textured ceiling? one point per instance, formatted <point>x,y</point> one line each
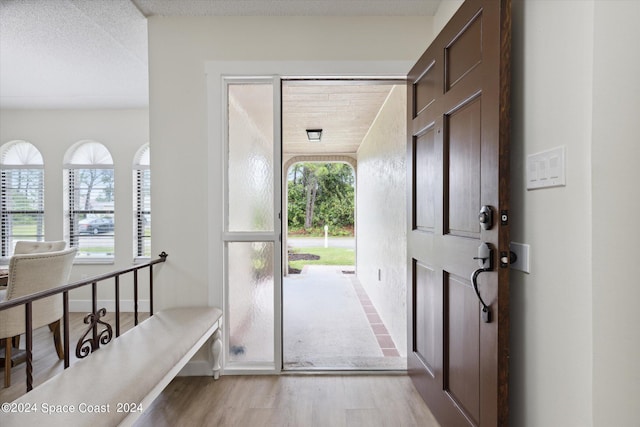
<point>93,54</point>
<point>72,54</point>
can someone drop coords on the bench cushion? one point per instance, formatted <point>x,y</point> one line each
<point>123,371</point>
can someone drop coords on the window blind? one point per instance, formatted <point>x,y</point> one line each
<point>21,206</point>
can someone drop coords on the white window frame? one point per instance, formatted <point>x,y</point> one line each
<point>256,236</point>
<point>29,159</point>
<point>70,171</point>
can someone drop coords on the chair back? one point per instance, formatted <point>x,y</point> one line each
<point>31,273</point>
<point>31,247</point>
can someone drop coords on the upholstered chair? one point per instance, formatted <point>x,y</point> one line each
<point>29,247</point>
<point>28,274</point>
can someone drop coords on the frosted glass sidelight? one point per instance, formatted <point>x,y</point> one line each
<point>251,291</point>
<point>250,157</point>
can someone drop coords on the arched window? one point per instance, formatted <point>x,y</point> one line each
<point>142,203</point>
<point>21,194</point>
<point>89,193</point>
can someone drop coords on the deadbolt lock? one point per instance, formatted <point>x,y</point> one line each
<point>486,217</point>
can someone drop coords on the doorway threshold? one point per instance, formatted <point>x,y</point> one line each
<point>354,372</point>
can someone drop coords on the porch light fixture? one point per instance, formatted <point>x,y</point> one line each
<point>314,135</point>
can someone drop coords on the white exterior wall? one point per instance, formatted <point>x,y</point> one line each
<point>381,222</point>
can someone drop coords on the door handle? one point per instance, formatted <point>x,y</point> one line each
<point>485,261</point>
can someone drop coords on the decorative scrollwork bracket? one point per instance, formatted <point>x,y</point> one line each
<point>92,339</point>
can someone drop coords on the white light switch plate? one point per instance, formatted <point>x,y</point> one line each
<point>522,252</point>
<point>546,169</point>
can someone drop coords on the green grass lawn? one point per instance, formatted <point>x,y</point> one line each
<point>328,256</point>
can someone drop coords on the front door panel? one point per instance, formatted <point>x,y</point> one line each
<point>458,127</point>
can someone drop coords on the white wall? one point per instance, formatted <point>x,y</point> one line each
<point>179,49</point>
<point>445,11</point>
<point>575,346</point>
<point>551,308</point>
<point>53,132</point>
<point>381,221</point>
<point>565,310</point>
<point>616,203</point>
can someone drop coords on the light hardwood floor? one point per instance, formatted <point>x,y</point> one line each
<point>290,400</point>
<point>301,400</point>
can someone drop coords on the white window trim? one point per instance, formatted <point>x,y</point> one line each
<point>4,260</point>
<point>67,167</point>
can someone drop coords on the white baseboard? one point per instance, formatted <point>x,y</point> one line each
<point>126,306</point>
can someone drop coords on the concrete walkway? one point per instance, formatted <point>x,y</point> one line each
<point>326,326</point>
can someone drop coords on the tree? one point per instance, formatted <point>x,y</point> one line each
<point>321,194</point>
<point>91,178</point>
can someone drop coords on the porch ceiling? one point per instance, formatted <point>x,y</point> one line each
<point>343,110</point>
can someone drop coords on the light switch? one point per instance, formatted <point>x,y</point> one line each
<point>546,169</point>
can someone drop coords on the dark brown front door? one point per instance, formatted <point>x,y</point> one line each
<point>458,150</point>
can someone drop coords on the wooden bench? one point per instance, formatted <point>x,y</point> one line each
<point>116,383</point>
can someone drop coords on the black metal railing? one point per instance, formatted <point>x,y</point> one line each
<point>92,338</point>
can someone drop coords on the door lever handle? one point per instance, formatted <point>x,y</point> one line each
<point>486,310</point>
<point>485,261</point>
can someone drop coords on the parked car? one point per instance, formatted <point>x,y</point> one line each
<point>95,225</point>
